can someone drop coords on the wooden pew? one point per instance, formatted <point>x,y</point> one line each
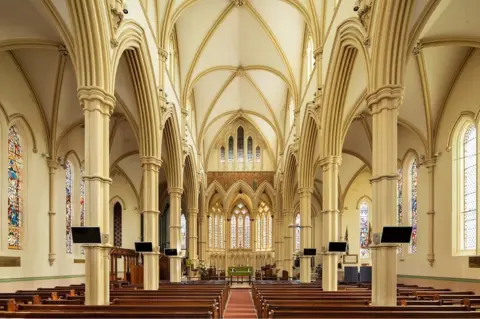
<point>371,314</point>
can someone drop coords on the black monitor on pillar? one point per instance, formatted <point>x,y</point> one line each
<point>143,247</point>
<point>86,235</point>
<point>309,252</point>
<point>171,252</point>
<point>337,247</point>
<point>396,235</point>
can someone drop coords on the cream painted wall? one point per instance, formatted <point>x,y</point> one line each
<point>464,97</point>
<point>16,98</point>
<point>360,189</point>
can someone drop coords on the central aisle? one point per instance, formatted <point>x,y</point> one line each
<point>240,304</point>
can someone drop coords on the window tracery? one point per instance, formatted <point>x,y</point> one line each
<point>364,227</point>
<point>230,149</point>
<point>68,204</point>
<point>413,205</point>
<point>469,211</point>
<point>400,202</point>
<point>240,227</point>
<point>240,144</point>
<point>250,149</point>
<point>297,232</point>
<point>183,231</point>
<point>258,155</point>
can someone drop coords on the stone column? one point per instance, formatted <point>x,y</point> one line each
<point>253,237</point>
<point>192,236</point>
<point>430,164</point>
<point>318,237</point>
<point>151,167</point>
<point>384,104</point>
<point>52,167</point>
<point>279,248</point>
<point>202,254</point>
<point>288,240</point>
<point>97,108</point>
<point>175,235</point>
<point>330,166</point>
<point>305,232</point>
<point>228,243</point>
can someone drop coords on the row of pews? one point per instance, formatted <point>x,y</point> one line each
<point>200,299</point>
<point>277,299</point>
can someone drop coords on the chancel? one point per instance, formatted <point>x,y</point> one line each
<point>239,158</point>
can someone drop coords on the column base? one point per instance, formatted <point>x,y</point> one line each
<point>305,269</point>
<point>150,271</point>
<point>330,272</point>
<point>97,281</point>
<point>384,274</point>
<point>175,269</point>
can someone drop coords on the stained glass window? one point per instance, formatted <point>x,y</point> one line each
<point>234,232</point>
<point>68,204</point>
<point>240,232</point>
<point>413,205</point>
<point>240,144</point>
<point>259,232</point>
<point>222,154</point>
<point>15,167</point>
<point>117,225</point>
<point>250,149</point>
<point>469,188</point>
<point>216,232</point>
<point>183,231</point>
<point>247,232</point>
<point>257,154</point>
<point>82,203</point>
<point>222,239</point>
<point>364,252</point>
<point>270,231</point>
<point>210,231</point>
<point>230,149</point>
<point>400,203</point>
<point>297,232</point>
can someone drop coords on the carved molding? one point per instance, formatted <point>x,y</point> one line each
<point>364,11</point>
<point>239,3</point>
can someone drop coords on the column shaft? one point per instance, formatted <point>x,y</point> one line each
<point>202,254</point>
<point>288,240</point>
<point>384,105</point>
<point>305,233</point>
<point>253,237</point>
<point>192,236</point>
<point>280,247</point>
<point>97,107</point>
<point>175,236</point>
<point>151,168</point>
<point>330,168</point>
<point>52,167</point>
<point>430,163</point>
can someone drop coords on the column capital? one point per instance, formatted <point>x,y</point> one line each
<point>91,93</point>
<point>393,93</point>
<point>175,190</point>
<point>330,159</point>
<point>163,54</point>
<point>151,160</point>
<point>184,112</point>
<point>430,162</point>
<point>53,164</point>
<point>317,53</point>
<point>151,212</point>
<point>192,211</point>
<point>378,178</point>
<point>304,191</point>
<point>287,211</point>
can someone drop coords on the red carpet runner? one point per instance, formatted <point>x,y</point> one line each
<point>240,305</point>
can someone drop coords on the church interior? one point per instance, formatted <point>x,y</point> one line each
<point>203,158</point>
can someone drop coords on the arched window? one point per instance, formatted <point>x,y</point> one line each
<point>364,252</point>
<point>258,155</point>
<point>233,232</point>
<point>247,232</point>
<point>68,204</point>
<point>230,149</point>
<point>183,231</point>
<point>250,149</point>
<point>413,205</point>
<point>117,225</point>
<point>15,183</point>
<point>468,216</point>
<point>297,232</point>
<point>264,231</point>
<point>240,144</point>
<point>400,202</point>
<point>310,56</point>
<point>240,227</point>
<point>210,231</point>
<point>222,154</point>
<point>259,232</point>
<point>82,198</point>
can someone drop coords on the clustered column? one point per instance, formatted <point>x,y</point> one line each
<point>288,240</point>
<point>330,166</point>
<point>151,167</point>
<point>305,233</point>
<point>202,254</point>
<point>192,236</point>
<point>253,234</point>
<point>279,249</point>
<point>52,167</point>
<point>384,104</point>
<point>97,107</point>
<point>175,235</point>
<point>430,164</point>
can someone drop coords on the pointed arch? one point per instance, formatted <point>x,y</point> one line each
<point>290,172</point>
<point>174,159</point>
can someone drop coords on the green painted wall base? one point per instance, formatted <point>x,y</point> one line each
<point>40,278</point>
<point>440,278</point>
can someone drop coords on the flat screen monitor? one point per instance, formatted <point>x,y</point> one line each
<point>337,246</point>
<point>309,252</point>
<point>143,247</point>
<point>396,235</point>
<point>86,235</point>
<point>171,252</point>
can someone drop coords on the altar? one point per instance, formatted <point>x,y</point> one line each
<point>238,273</point>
